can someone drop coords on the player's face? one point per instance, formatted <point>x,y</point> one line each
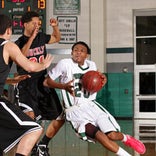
<point>79,54</point>
<point>33,25</point>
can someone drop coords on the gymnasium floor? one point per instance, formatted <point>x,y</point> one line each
<point>66,143</point>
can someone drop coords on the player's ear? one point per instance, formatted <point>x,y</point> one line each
<point>25,24</point>
<point>9,31</point>
<point>87,56</point>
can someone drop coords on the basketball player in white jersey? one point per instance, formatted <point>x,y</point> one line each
<point>89,119</point>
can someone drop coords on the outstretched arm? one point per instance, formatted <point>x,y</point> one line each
<point>13,52</point>
<point>55,36</point>
<point>17,79</point>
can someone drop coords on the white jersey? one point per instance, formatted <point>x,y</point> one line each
<point>82,109</point>
<point>67,70</point>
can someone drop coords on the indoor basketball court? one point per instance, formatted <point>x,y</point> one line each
<point>122,37</point>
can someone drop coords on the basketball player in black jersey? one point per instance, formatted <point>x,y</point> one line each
<point>15,126</point>
<point>37,101</point>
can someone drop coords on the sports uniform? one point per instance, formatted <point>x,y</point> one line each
<point>82,108</point>
<point>31,94</point>
<point>14,124</point>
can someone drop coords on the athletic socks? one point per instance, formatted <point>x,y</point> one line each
<point>122,152</point>
<point>45,140</point>
<point>124,138</point>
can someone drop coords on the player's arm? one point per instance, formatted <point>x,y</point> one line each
<point>26,47</point>
<point>15,54</point>
<point>48,82</point>
<point>16,79</point>
<point>56,35</point>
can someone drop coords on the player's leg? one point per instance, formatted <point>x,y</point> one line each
<point>53,109</point>
<point>18,127</point>
<point>128,140</point>
<point>116,136</point>
<point>51,131</point>
<point>107,126</point>
<point>94,133</point>
<point>27,142</point>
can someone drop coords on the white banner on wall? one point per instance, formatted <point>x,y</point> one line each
<point>66,7</point>
<point>68,29</point>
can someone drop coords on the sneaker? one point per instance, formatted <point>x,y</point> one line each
<point>137,145</point>
<point>42,150</point>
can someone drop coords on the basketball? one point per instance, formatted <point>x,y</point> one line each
<point>93,81</point>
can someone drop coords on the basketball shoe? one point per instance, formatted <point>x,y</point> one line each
<point>40,150</point>
<point>137,145</point>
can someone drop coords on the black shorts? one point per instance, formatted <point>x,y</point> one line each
<point>13,125</point>
<point>33,96</point>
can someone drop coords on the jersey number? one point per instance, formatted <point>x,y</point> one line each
<point>34,59</point>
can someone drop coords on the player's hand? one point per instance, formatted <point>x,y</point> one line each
<point>70,87</point>
<point>47,60</point>
<point>22,77</point>
<point>53,22</point>
<point>35,32</point>
<point>17,79</point>
<point>104,78</point>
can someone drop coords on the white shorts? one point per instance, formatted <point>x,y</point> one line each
<point>91,112</point>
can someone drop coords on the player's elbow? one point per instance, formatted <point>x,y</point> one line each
<point>57,39</point>
<point>45,83</point>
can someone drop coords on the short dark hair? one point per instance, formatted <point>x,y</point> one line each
<point>84,44</point>
<point>27,16</point>
<point>5,22</point>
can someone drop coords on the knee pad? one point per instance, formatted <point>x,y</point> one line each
<point>91,130</point>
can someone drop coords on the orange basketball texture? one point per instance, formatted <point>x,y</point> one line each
<point>92,81</point>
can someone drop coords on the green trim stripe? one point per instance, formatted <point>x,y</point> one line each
<point>67,95</point>
<point>119,50</point>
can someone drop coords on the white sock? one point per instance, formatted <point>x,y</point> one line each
<point>122,152</point>
<point>125,138</point>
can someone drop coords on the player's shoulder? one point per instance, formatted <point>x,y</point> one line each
<point>42,34</point>
<point>10,44</point>
<point>20,38</point>
<point>90,62</point>
<point>3,41</point>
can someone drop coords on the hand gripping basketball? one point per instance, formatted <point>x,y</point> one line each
<point>93,81</point>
